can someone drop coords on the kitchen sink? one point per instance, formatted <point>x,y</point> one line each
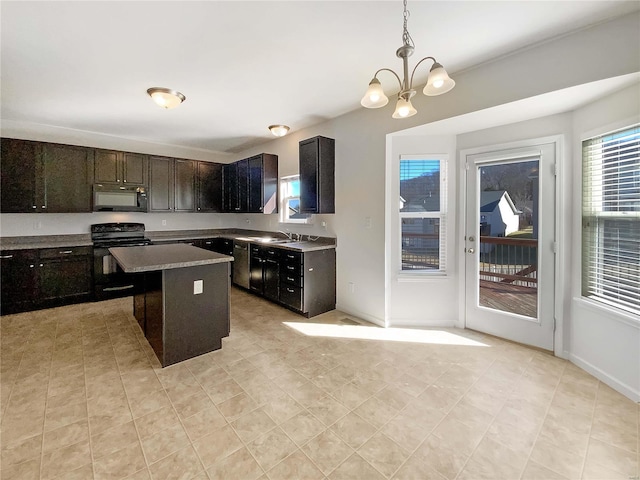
<point>270,240</point>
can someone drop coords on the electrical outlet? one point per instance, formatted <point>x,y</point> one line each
<point>37,225</point>
<point>367,222</point>
<point>352,287</point>
<point>164,222</point>
<point>197,287</point>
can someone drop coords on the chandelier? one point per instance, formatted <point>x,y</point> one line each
<point>438,81</point>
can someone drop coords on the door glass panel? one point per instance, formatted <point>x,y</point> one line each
<point>508,256</point>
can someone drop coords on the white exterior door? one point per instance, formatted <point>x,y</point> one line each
<point>509,244</point>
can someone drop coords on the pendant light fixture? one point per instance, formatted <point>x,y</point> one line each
<point>438,81</point>
<point>165,97</point>
<point>279,130</point>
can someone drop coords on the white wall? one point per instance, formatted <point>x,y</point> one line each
<point>604,342</point>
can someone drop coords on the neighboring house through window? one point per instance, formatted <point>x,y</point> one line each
<point>422,213</point>
<point>611,219</point>
<point>290,195</point>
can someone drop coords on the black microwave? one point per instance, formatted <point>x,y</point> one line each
<point>119,198</point>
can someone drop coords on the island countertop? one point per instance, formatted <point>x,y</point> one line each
<point>164,257</point>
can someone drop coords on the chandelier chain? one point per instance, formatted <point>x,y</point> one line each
<point>406,37</point>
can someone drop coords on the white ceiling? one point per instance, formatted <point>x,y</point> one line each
<point>243,65</point>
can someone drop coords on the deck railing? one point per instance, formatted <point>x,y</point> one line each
<point>509,260</point>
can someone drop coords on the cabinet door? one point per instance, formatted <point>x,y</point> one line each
<point>256,199</point>
<point>209,187</point>
<point>243,185</point>
<point>18,176</point>
<point>317,169</point>
<point>61,279</point>
<point>68,176</point>
<point>106,166</point>
<point>309,176</point>
<point>134,168</point>
<point>160,184</point>
<point>18,272</point>
<point>271,276</point>
<point>230,183</point>
<point>185,182</point>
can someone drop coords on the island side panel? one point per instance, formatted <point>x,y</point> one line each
<point>154,312</point>
<point>194,323</point>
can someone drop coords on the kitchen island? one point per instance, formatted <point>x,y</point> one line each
<point>182,297</point>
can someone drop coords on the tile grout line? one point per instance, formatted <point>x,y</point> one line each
<point>46,402</point>
<point>546,413</point>
<point>13,383</point>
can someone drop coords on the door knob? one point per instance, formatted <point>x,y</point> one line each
<point>471,250</point>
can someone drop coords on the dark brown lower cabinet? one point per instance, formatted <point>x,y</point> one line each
<point>19,280</point>
<point>33,279</point>
<point>308,281</point>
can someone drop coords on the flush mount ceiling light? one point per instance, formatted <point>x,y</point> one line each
<point>279,130</point>
<point>438,81</point>
<point>165,97</point>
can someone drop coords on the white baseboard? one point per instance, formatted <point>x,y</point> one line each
<point>361,315</point>
<point>618,386</point>
<point>412,323</point>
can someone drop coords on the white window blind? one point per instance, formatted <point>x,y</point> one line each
<point>423,228</point>
<point>611,219</point>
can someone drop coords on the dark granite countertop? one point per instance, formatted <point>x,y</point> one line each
<point>164,257</point>
<point>82,240</point>
<point>45,241</point>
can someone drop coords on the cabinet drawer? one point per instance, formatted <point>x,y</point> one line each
<point>290,270</point>
<point>291,296</point>
<point>272,253</point>
<point>291,279</point>
<point>62,252</point>
<point>293,258</point>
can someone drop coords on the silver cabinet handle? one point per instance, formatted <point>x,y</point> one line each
<point>66,252</point>
<point>6,256</point>
<point>34,206</point>
<point>44,206</point>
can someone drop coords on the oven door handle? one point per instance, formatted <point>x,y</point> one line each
<point>115,289</point>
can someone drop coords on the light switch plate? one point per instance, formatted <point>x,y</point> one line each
<point>197,287</point>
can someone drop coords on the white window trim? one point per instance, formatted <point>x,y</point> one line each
<point>421,275</point>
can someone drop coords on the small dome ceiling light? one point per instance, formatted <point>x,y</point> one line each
<point>165,97</point>
<point>279,130</point>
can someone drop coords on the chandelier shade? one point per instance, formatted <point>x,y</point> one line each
<point>438,81</point>
<point>375,97</point>
<point>404,109</point>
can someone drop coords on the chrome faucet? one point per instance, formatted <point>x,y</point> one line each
<point>289,235</point>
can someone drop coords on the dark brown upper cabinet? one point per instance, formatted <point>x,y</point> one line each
<point>209,187</point>
<point>68,178</point>
<point>120,167</point>
<point>317,168</point>
<point>263,184</point>
<point>45,177</point>
<point>185,185</point>
<point>21,160</point>
<point>236,187</point>
<point>172,185</point>
<point>251,185</point>
<point>161,184</point>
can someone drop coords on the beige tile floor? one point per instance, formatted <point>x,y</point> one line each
<point>84,397</point>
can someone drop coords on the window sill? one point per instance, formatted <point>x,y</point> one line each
<point>420,277</point>
<point>622,316</point>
